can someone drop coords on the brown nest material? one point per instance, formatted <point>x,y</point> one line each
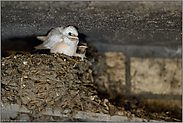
<point>56,81</point>
<point>41,82</point>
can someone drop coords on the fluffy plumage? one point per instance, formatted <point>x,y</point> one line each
<point>60,40</point>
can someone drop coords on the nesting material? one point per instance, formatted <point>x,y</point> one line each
<point>40,82</point>
<point>56,81</point>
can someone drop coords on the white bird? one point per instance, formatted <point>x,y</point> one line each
<point>60,40</point>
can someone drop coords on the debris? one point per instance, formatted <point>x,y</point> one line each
<point>48,81</point>
<point>65,86</point>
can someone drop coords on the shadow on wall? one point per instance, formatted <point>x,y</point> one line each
<point>24,45</point>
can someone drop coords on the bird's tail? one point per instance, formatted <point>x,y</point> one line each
<point>41,46</point>
<point>42,38</point>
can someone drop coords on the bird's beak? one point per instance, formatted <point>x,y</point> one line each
<point>83,46</point>
<point>73,37</point>
<point>76,37</point>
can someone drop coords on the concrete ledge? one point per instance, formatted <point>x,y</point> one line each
<point>125,23</point>
<point>11,111</point>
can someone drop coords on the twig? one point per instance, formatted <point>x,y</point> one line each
<point>96,111</point>
<point>74,99</point>
<point>90,84</point>
<point>43,117</point>
<point>33,101</point>
<point>60,75</point>
<point>1,103</point>
<point>81,103</point>
<point>69,58</point>
<point>44,105</point>
<point>64,105</point>
<point>38,71</point>
<point>32,107</point>
<point>38,63</point>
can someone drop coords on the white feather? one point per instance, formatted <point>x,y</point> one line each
<point>58,35</point>
<point>52,41</point>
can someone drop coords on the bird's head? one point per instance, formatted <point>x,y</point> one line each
<point>71,33</point>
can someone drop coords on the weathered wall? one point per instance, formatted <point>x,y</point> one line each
<point>131,23</point>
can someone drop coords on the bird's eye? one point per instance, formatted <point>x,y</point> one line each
<point>69,33</point>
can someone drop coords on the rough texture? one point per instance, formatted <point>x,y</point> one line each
<point>157,76</point>
<point>42,81</point>
<point>158,80</point>
<point>133,28</point>
<point>120,22</point>
<point>54,81</point>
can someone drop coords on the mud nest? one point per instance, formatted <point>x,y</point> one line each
<point>56,81</point>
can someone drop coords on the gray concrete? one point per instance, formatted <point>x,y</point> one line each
<point>119,23</point>
<point>7,110</point>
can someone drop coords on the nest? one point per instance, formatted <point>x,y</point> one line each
<point>56,81</point>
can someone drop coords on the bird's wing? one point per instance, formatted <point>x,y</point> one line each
<point>54,37</point>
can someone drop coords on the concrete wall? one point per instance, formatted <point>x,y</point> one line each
<point>130,23</point>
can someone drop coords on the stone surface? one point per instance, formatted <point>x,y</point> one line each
<point>23,118</point>
<point>116,67</point>
<point>148,75</point>
<point>156,76</point>
<point>120,22</point>
<point>112,79</point>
